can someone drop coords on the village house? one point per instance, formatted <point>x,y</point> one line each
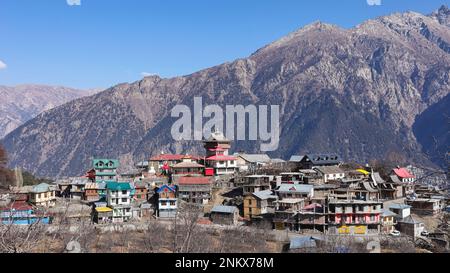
<point>77,185</point>
<point>355,189</point>
<point>217,157</point>
<point>292,178</point>
<point>406,180</point>
<point>401,189</point>
<point>105,169</point>
<point>251,162</point>
<point>21,213</point>
<point>258,203</point>
<point>291,200</point>
<point>387,189</point>
<point>295,191</point>
<point>253,183</point>
<point>194,189</point>
<point>140,192</point>
<point>312,218</point>
<point>224,215</point>
<point>167,201</point>
<point>91,192</point>
<point>102,214</point>
<point>401,210</point>
<point>388,221</point>
<point>119,199</point>
<point>42,195</point>
<point>410,226</point>
<point>425,206</point>
<point>330,173</point>
<point>310,176</point>
<point>162,163</point>
<point>354,217</point>
<point>315,160</point>
<point>187,166</point>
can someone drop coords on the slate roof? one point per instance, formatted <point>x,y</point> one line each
<point>377,178</point>
<point>395,179</point>
<point>410,220</point>
<point>318,159</point>
<point>255,158</point>
<point>224,209</point>
<point>329,169</point>
<point>388,213</point>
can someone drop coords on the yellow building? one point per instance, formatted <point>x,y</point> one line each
<point>258,203</point>
<point>43,195</point>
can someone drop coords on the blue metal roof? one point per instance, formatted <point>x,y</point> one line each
<point>302,242</point>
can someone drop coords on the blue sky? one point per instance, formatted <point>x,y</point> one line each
<point>104,42</point>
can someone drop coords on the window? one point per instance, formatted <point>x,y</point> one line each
<point>124,192</point>
<point>124,200</point>
<point>249,202</point>
<point>172,203</point>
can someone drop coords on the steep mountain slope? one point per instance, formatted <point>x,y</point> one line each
<point>355,91</point>
<point>23,102</point>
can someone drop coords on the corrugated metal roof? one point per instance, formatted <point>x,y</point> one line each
<point>118,186</point>
<point>295,188</point>
<point>399,206</point>
<point>263,195</point>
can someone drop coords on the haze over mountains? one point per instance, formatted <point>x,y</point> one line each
<point>21,103</point>
<point>363,93</point>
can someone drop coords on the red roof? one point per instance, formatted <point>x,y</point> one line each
<point>194,180</point>
<point>171,157</point>
<point>17,206</point>
<point>403,173</point>
<point>221,158</point>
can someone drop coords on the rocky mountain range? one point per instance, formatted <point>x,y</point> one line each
<point>364,92</point>
<point>24,102</point>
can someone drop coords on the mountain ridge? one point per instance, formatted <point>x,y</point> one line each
<point>354,91</point>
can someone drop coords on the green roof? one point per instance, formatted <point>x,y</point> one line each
<point>105,163</point>
<point>118,186</point>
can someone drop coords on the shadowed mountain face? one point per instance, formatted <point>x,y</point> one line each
<point>24,102</point>
<point>432,130</point>
<point>355,92</point>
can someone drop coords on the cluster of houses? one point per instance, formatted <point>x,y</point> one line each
<point>309,193</point>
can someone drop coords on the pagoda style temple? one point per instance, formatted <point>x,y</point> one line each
<point>217,157</point>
